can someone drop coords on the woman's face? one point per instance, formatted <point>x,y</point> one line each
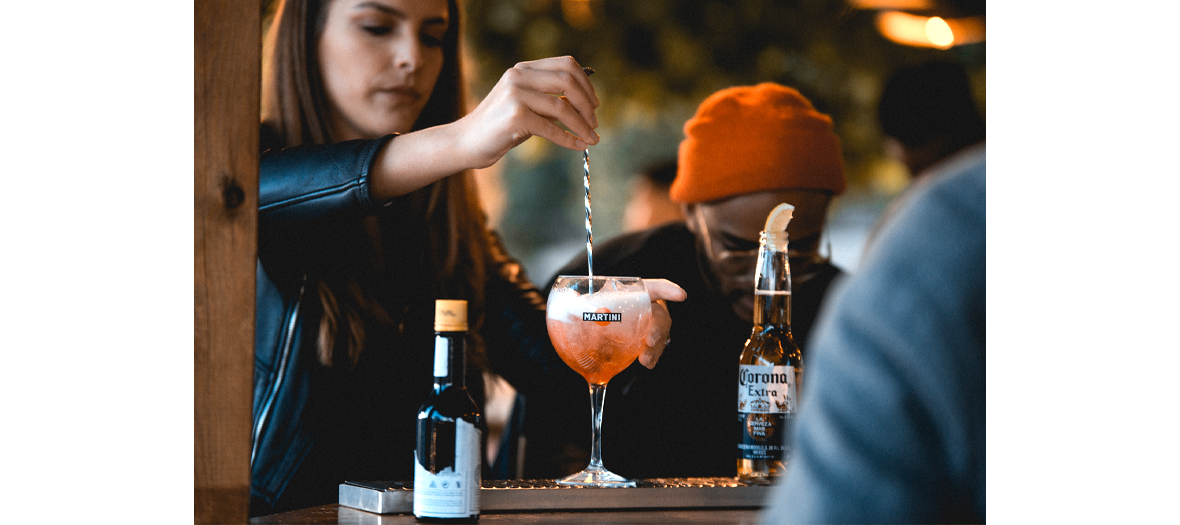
<point>379,60</point>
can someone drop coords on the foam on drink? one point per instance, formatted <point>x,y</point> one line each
<point>568,304</point>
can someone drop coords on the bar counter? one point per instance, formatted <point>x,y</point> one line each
<point>663,500</point>
<point>339,515</point>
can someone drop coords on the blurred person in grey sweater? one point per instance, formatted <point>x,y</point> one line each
<point>892,424</point>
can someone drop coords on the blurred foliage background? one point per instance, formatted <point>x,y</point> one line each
<point>656,60</point>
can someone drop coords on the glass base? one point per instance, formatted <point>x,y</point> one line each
<point>596,477</point>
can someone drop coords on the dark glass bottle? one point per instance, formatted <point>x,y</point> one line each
<point>447,461</point>
<point>770,366</point>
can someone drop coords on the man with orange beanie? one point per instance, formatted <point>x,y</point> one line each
<point>746,150</point>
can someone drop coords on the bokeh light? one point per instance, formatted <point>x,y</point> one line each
<point>939,33</point>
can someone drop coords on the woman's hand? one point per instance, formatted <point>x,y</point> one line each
<point>660,290</point>
<point>522,104</point>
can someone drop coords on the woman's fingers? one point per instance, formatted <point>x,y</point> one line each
<point>559,109</point>
<point>548,83</point>
<point>534,113</point>
<point>545,128</point>
<point>566,64</point>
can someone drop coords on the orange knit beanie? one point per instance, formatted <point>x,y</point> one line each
<point>747,139</point>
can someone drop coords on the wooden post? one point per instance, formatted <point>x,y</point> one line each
<point>227,74</point>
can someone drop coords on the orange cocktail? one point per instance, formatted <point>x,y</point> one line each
<point>598,325</point>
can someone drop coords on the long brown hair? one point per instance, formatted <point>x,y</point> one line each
<point>444,219</point>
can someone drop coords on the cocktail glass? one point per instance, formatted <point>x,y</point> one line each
<point>598,326</point>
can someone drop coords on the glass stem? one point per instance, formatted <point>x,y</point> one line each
<point>597,399</point>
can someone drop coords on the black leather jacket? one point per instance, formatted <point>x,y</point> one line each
<point>302,192</point>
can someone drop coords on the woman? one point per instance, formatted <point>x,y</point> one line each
<point>360,231</point>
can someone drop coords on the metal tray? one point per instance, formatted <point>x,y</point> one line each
<point>394,497</point>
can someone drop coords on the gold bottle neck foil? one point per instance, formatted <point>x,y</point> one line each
<point>450,315</point>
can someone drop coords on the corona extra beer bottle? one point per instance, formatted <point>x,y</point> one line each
<point>770,364</point>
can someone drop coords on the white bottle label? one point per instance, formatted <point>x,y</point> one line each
<point>766,389</point>
<point>452,493</point>
<point>441,348</point>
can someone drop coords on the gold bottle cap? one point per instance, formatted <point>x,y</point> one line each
<point>450,315</point>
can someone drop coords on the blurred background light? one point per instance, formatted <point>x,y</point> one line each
<point>577,13</point>
<point>923,31</point>
<point>968,30</point>
<point>893,5</point>
<point>939,33</point>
